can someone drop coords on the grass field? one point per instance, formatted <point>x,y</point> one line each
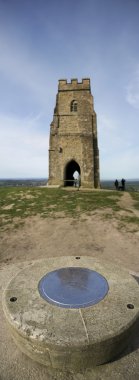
<point>18,203</point>
<point>22,202</point>
<point>135,197</point>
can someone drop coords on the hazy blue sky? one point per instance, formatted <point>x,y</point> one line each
<point>42,41</point>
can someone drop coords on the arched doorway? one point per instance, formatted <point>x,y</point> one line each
<point>69,170</point>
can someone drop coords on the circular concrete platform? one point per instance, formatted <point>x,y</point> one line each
<point>71,338</point>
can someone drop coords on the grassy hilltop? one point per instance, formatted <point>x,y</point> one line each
<point>18,203</point>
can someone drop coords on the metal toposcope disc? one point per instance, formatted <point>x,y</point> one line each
<point>73,287</point>
<point>79,337</point>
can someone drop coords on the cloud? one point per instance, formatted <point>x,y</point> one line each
<point>109,136</point>
<point>125,164</point>
<point>132,90</point>
<point>119,155</point>
<point>23,68</point>
<point>108,124</point>
<point>24,147</point>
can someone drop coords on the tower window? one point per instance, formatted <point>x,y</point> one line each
<point>73,106</point>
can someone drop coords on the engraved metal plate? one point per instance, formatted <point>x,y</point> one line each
<point>73,287</point>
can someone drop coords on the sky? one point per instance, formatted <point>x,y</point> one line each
<point>42,41</point>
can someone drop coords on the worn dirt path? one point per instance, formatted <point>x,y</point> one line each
<point>128,203</point>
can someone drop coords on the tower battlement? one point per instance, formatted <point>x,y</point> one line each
<point>74,85</point>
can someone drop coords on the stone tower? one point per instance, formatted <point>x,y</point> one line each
<point>73,136</point>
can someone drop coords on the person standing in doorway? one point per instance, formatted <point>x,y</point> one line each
<point>76,177</point>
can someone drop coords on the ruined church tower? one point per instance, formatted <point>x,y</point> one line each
<point>73,136</point>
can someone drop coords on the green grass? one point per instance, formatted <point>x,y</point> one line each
<point>130,219</point>
<point>129,224</point>
<point>16,204</point>
<point>135,197</point>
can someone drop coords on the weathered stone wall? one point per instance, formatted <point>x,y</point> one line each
<point>73,134</point>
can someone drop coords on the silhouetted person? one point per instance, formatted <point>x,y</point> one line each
<point>123,184</point>
<point>116,184</point>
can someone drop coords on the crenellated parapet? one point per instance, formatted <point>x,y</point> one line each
<point>74,85</point>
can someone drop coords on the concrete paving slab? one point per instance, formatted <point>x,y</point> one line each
<point>116,367</point>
